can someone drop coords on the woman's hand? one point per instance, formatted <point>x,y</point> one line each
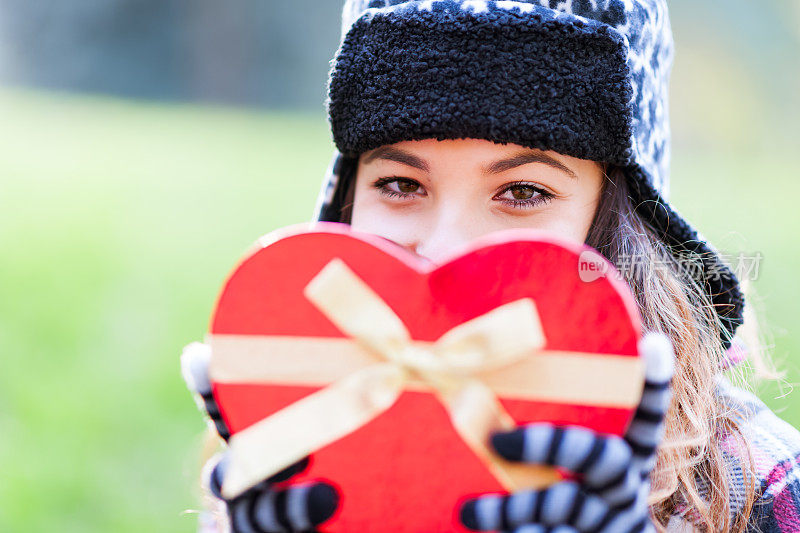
<point>611,496</point>
<point>272,506</point>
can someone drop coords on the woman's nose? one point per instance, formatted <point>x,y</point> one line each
<point>409,246</point>
<point>429,251</point>
<point>443,240</point>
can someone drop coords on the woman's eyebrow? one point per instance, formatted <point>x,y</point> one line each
<point>400,156</point>
<point>525,157</point>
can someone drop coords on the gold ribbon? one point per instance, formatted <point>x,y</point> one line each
<point>498,339</point>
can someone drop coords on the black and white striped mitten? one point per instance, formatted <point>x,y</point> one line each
<point>271,506</point>
<point>194,366</point>
<point>611,494</point>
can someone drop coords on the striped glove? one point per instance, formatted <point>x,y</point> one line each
<point>271,506</point>
<point>611,494</point>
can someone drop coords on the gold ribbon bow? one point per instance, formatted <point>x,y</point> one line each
<point>501,338</point>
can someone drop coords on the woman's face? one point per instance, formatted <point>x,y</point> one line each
<point>433,197</point>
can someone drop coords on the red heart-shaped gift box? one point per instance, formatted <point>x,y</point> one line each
<point>407,469</point>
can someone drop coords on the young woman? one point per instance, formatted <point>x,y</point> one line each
<point>455,118</point>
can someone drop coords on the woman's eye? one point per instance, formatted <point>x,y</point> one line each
<point>406,186</point>
<point>521,192</point>
<point>399,187</point>
<point>524,195</point>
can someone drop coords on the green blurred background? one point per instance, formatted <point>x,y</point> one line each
<point>126,198</point>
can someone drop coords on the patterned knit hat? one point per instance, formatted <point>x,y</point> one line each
<point>585,78</point>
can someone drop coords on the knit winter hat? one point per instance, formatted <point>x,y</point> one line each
<point>585,78</point>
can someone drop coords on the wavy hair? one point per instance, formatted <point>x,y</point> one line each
<point>693,478</point>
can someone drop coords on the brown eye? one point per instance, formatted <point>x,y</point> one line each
<point>522,192</point>
<point>395,187</point>
<point>407,187</point>
<point>523,195</point>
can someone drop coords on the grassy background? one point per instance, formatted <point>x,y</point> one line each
<point>118,222</point>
